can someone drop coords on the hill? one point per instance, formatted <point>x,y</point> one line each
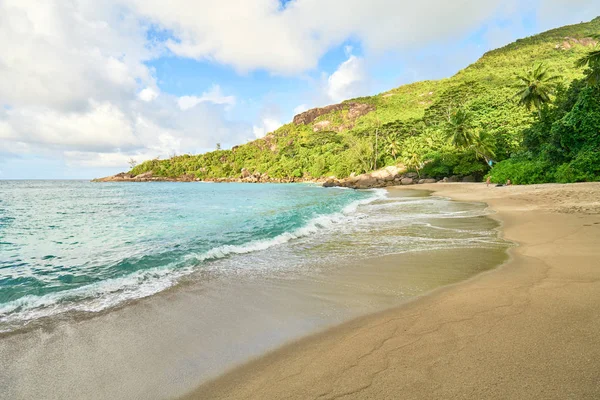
<point>405,125</point>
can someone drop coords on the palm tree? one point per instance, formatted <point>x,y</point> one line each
<point>538,84</point>
<point>591,60</point>
<point>484,146</point>
<point>411,156</point>
<point>393,145</point>
<point>459,129</point>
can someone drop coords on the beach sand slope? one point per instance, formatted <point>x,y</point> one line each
<point>527,330</point>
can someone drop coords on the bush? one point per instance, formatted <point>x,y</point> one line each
<point>584,168</point>
<point>522,172</point>
<point>447,164</point>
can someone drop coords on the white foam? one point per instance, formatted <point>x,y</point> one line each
<point>112,292</point>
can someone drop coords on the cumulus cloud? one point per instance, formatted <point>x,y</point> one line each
<point>148,94</point>
<point>268,125</point>
<point>260,34</point>
<point>75,86</point>
<point>214,95</point>
<point>349,80</point>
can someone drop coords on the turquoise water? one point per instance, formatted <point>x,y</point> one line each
<point>81,246</point>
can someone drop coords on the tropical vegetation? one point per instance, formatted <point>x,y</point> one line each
<point>529,112</point>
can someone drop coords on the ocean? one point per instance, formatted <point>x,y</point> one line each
<point>193,278</point>
<point>81,246</point>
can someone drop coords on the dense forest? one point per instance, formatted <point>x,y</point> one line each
<point>529,112</point>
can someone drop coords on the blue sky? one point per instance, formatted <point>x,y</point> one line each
<point>90,85</point>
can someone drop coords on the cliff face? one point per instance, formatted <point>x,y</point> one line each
<point>351,111</point>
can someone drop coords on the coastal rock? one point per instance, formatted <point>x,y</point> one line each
<point>145,175</point>
<point>407,181</point>
<point>329,183</point>
<point>365,181</point>
<point>387,174</point>
<point>468,178</point>
<point>428,181</point>
<point>451,179</point>
<point>245,173</point>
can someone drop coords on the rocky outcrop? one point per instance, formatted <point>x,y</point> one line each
<point>355,110</point>
<point>569,42</point>
<point>145,177</point>
<point>245,177</point>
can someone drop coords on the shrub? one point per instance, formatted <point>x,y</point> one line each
<point>522,172</point>
<point>585,167</point>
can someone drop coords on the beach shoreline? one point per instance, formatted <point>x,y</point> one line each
<point>379,252</point>
<point>527,329</point>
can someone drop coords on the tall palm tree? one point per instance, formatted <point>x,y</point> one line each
<point>592,61</point>
<point>537,86</point>
<point>393,145</point>
<point>484,146</point>
<point>411,156</point>
<point>459,129</point>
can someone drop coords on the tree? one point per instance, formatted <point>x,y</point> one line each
<point>412,155</point>
<point>218,146</point>
<point>459,130</point>
<point>538,84</point>
<point>376,143</point>
<point>592,61</point>
<point>132,163</point>
<point>484,146</point>
<point>393,145</point>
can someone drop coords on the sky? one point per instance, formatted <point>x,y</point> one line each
<point>87,85</point>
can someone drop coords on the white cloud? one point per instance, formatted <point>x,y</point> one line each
<point>75,86</point>
<point>148,94</point>
<point>214,95</point>
<point>259,34</point>
<point>269,124</point>
<point>349,80</point>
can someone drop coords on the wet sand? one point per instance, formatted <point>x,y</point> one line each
<point>529,329</point>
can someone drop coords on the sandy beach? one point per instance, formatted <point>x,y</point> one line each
<point>529,329</point>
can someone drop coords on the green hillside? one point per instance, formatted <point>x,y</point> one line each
<point>408,124</point>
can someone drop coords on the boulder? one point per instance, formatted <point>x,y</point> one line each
<point>329,183</point>
<point>412,175</point>
<point>468,178</point>
<point>145,175</point>
<point>245,173</point>
<point>387,174</point>
<point>428,181</point>
<point>365,181</point>
<point>407,181</point>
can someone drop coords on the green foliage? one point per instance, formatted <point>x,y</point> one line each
<point>459,129</point>
<point>537,86</point>
<point>583,168</point>
<point>522,172</point>
<point>592,61</point>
